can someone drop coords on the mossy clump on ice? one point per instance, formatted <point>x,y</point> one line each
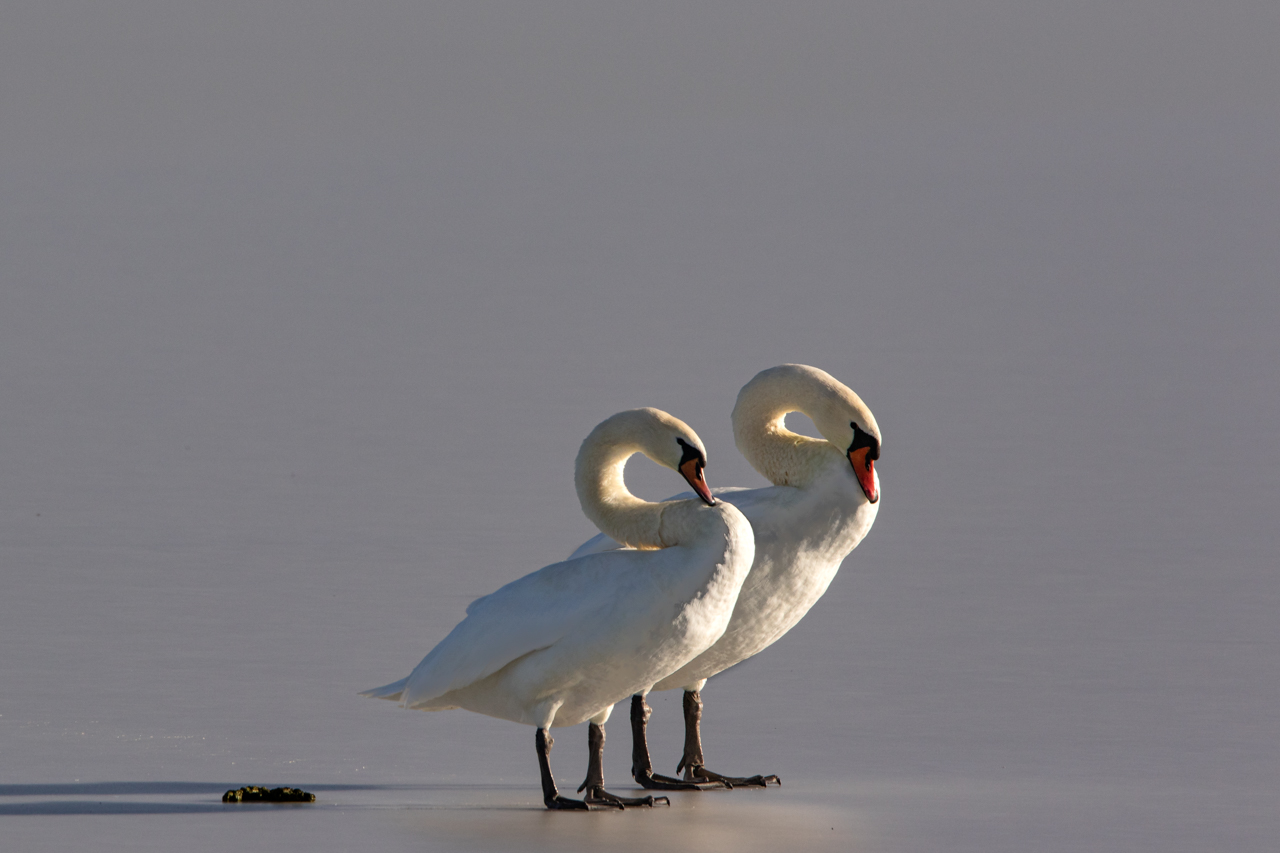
<point>258,794</point>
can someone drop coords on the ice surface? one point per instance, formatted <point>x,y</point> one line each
<point>305,310</point>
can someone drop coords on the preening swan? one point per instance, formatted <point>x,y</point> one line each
<point>563,644</point>
<point>824,499</point>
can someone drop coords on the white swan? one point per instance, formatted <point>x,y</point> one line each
<point>824,499</point>
<point>563,644</point>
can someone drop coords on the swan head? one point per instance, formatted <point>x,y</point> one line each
<point>672,443</point>
<point>839,415</point>
<point>663,438</point>
<point>863,452</point>
<point>692,462</point>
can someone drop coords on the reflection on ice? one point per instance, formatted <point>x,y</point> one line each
<point>707,822</point>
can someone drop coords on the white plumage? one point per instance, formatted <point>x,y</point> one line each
<point>563,644</point>
<point>823,502</point>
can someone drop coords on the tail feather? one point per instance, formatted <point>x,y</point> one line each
<point>388,691</point>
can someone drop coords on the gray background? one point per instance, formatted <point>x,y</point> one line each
<point>305,308</point>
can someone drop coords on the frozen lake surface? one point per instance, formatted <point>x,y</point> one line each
<point>304,314</point>
<point>872,815</point>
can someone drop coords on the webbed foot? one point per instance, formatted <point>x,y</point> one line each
<point>564,803</point>
<point>598,796</point>
<point>658,782</point>
<point>698,773</point>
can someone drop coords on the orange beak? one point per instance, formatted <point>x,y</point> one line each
<point>864,470</point>
<point>692,472</point>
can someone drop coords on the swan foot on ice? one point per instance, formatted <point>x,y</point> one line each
<point>550,795</point>
<point>658,782</point>
<point>642,767</point>
<point>598,796</point>
<point>691,763</point>
<point>594,783</point>
<point>698,773</point>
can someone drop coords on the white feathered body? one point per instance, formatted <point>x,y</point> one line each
<point>563,644</point>
<point>802,536</point>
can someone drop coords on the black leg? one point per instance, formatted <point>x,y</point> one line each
<point>692,762</point>
<point>642,767</point>
<point>550,795</point>
<point>594,783</point>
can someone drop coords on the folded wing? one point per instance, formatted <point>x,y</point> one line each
<point>525,616</point>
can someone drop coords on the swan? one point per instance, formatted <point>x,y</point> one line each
<point>562,645</point>
<point>823,501</point>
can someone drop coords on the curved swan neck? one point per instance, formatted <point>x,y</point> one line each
<point>787,458</point>
<point>603,493</point>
